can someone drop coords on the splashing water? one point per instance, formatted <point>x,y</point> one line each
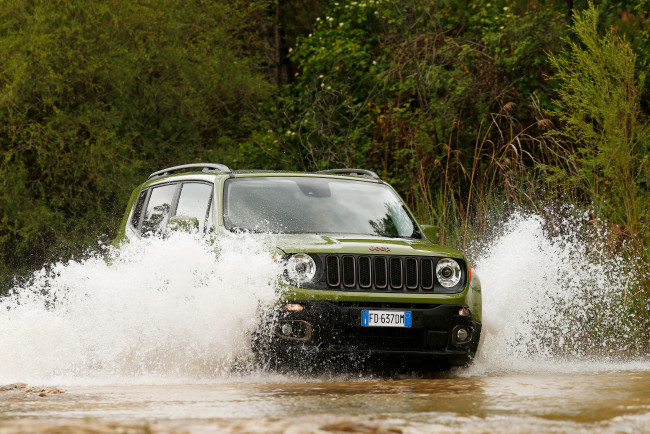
<point>553,299</point>
<point>159,309</point>
<point>163,311</point>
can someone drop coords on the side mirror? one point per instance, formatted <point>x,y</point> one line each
<point>183,223</point>
<point>430,232</point>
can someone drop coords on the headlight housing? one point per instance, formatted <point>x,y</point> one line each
<point>300,268</point>
<point>448,272</point>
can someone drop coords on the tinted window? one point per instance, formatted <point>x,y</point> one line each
<point>158,209</point>
<point>194,201</point>
<point>137,211</point>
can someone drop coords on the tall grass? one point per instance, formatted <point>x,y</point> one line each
<point>590,152</point>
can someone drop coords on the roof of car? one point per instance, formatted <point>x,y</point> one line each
<point>216,168</point>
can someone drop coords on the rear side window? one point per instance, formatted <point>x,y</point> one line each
<point>137,210</point>
<point>158,209</point>
<point>194,201</point>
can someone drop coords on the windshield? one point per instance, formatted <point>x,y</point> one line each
<point>294,205</point>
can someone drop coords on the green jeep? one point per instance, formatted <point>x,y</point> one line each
<point>363,284</point>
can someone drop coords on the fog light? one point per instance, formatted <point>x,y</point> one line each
<point>461,335</point>
<point>294,330</point>
<point>286,329</point>
<point>293,307</point>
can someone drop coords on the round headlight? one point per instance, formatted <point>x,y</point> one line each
<point>448,272</point>
<point>300,268</point>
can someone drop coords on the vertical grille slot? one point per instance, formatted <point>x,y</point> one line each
<point>411,273</point>
<point>427,274</point>
<point>396,273</point>
<point>349,271</point>
<point>381,272</point>
<point>365,278</point>
<point>333,273</point>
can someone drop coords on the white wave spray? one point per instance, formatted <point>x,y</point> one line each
<point>554,298</point>
<point>172,310</point>
<point>159,309</point>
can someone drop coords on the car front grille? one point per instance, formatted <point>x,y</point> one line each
<point>382,273</point>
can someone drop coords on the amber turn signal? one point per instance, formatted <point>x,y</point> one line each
<point>293,307</point>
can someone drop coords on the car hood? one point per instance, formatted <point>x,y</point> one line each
<point>360,244</point>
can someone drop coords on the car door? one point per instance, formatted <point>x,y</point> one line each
<point>194,204</point>
<point>182,202</point>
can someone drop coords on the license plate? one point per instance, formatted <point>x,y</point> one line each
<point>385,318</point>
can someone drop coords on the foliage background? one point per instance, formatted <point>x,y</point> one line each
<point>467,107</point>
<point>94,95</point>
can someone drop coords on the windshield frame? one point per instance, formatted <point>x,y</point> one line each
<point>417,233</point>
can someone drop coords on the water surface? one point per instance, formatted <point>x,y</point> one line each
<point>608,401</point>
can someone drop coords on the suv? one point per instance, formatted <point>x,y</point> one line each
<point>363,284</point>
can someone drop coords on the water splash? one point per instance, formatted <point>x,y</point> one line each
<point>554,297</point>
<point>158,309</point>
<point>165,311</point>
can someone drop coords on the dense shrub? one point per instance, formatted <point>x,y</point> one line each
<point>94,95</point>
<point>602,124</point>
<point>408,88</point>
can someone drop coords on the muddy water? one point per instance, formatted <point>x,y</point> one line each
<point>150,340</point>
<point>607,401</point>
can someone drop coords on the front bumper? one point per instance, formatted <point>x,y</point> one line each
<point>331,332</point>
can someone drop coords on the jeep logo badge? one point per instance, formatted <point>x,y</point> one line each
<point>379,249</point>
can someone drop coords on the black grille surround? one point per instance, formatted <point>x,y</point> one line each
<point>384,273</point>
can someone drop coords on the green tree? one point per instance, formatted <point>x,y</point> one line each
<point>599,105</point>
<point>403,88</point>
<point>95,95</point>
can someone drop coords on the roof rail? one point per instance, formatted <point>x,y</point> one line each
<point>205,167</point>
<point>353,172</point>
